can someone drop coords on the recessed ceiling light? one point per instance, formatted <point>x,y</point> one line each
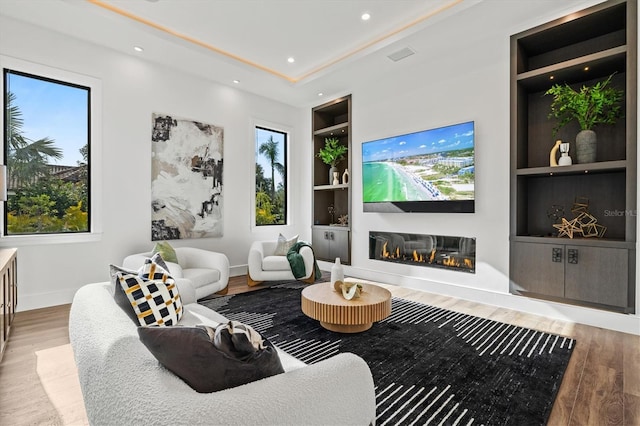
<point>236,81</point>
<point>291,59</point>
<point>365,16</point>
<point>586,68</point>
<point>320,94</point>
<point>138,49</point>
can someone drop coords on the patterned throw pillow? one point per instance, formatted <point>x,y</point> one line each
<point>155,302</point>
<point>235,339</point>
<point>154,268</point>
<point>166,251</point>
<point>283,246</point>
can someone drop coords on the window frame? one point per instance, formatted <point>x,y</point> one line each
<point>287,131</point>
<point>48,73</point>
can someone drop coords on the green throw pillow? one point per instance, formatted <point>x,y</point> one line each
<point>166,251</point>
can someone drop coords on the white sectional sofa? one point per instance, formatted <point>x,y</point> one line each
<point>123,384</point>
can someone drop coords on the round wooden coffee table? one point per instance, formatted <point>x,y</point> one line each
<point>335,313</point>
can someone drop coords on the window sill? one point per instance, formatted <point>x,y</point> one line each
<point>36,240</point>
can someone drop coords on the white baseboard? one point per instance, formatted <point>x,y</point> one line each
<point>28,302</point>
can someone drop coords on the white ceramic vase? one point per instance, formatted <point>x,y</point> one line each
<point>337,273</point>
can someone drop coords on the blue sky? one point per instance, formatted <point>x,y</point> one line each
<point>52,110</point>
<point>457,136</point>
<point>261,137</point>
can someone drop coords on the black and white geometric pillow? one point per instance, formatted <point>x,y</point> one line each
<point>154,268</point>
<point>155,302</point>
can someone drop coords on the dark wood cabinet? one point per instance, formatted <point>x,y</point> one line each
<point>8,294</point>
<point>580,49</point>
<point>331,242</point>
<point>593,276</point>
<point>330,238</point>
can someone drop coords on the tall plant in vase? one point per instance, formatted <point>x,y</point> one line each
<point>332,154</point>
<point>589,106</point>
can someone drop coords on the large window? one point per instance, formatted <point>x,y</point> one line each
<point>47,146</point>
<point>271,177</point>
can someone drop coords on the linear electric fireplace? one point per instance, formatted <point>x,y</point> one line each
<point>437,251</point>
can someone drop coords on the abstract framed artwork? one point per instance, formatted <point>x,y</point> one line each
<point>186,178</point>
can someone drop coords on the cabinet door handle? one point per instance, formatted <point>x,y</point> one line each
<point>556,254</point>
<point>572,256</point>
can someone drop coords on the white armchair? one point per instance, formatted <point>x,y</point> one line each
<point>263,265</point>
<point>207,271</point>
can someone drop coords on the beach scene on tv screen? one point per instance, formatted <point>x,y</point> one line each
<point>431,165</point>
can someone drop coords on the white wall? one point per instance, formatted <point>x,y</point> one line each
<point>132,89</point>
<point>466,77</point>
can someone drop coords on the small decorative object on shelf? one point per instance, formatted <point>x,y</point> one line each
<point>343,219</point>
<point>583,223</point>
<point>332,154</point>
<point>345,177</point>
<point>336,180</point>
<point>565,159</point>
<point>554,152</point>
<point>331,211</point>
<point>591,105</point>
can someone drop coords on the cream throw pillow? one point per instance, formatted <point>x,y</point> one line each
<point>283,246</point>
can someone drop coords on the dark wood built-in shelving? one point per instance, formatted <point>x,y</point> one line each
<point>329,240</point>
<point>580,49</point>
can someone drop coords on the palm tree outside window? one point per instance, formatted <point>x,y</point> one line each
<point>271,177</point>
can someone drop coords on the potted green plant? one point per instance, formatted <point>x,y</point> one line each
<point>589,106</point>
<point>332,154</point>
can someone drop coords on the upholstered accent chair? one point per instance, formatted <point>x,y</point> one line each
<point>208,271</point>
<point>265,265</point>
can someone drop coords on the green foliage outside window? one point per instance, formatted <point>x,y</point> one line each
<point>38,201</point>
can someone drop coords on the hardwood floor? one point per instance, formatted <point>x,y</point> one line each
<point>601,385</point>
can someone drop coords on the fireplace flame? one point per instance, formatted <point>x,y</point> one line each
<point>447,256</point>
<point>450,261</point>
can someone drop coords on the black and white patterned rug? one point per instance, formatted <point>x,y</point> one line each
<point>430,365</point>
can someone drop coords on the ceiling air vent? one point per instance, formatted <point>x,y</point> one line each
<point>401,54</point>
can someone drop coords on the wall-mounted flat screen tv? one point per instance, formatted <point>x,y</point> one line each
<point>427,171</point>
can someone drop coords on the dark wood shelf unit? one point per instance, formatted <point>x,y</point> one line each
<point>331,119</point>
<point>579,49</point>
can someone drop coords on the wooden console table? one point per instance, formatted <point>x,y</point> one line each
<point>335,313</point>
<point>8,293</point>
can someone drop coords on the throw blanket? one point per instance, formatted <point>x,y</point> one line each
<point>297,262</point>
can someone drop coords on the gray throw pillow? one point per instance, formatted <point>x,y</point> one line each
<point>190,354</point>
<point>118,294</point>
